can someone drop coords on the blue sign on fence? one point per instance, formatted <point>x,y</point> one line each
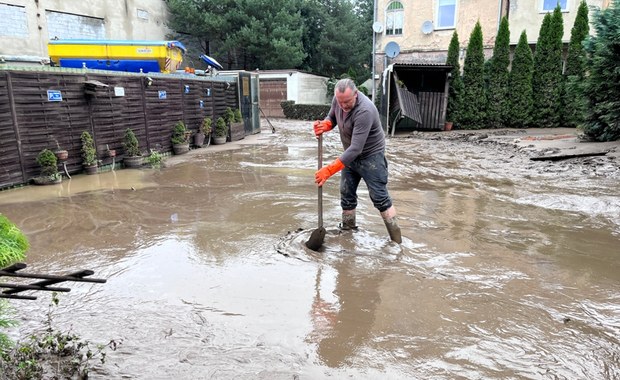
<point>202,104</point>
<point>162,94</point>
<point>186,89</point>
<point>54,96</point>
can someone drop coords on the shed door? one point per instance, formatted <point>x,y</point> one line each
<point>272,93</point>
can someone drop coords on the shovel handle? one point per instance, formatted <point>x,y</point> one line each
<point>320,165</point>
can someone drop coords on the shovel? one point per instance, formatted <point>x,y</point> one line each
<point>318,236</point>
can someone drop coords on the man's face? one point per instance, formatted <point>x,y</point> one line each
<point>346,100</point>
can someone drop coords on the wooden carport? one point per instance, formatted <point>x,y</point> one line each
<point>415,97</point>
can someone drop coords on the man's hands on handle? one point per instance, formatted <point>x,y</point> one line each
<point>323,174</point>
<point>322,126</point>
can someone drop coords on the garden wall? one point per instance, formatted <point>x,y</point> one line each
<point>32,118</point>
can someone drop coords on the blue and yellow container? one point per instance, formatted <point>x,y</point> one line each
<point>129,56</point>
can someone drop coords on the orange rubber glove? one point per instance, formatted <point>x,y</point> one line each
<point>323,174</point>
<point>322,126</point>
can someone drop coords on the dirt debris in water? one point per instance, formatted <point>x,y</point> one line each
<point>536,143</point>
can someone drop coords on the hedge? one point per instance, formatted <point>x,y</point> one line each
<point>304,111</point>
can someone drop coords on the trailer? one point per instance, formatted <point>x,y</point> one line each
<point>117,55</point>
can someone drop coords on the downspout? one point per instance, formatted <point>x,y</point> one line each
<point>499,13</point>
<point>374,48</point>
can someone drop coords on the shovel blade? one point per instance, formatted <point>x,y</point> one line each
<point>316,239</point>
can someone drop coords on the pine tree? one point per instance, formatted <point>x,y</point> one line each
<point>473,115</point>
<point>456,82</point>
<point>547,83</point>
<point>520,85</point>
<point>497,90</point>
<point>602,85</point>
<point>573,101</point>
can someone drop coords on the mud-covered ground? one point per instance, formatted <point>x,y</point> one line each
<point>508,268</point>
<point>566,150</point>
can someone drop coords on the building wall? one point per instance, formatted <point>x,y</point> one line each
<point>311,89</point>
<point>302,88</point>
<point>28,25</point>
<point>419,47</point>
<point>528,15</point>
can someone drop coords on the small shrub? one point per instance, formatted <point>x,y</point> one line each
<point>155,159</point>
<point>304,111</point>
<point>89,153</point>
<point>130,144</point>
<point>180,134</point>
<point>221,129</point>
<point>205,126</point>
<point>13,243</point>
<point>229,115</point>
<point>48,162</point>
<point>237,118</point>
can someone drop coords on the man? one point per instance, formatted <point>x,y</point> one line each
<point>363,158</point>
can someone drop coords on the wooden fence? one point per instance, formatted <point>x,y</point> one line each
<point>32,118</point>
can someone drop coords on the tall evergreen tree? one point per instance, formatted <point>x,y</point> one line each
<point>520,85</point>
<point>456,82</point>
<point>497,90</point>
<point>573,101</point>
<point>547,83</point>
<point>602,85</point>
<point>473,115</point>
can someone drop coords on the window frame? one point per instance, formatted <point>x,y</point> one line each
<point>436,24</point>
<point>394,12</point>
<point>564,10</point>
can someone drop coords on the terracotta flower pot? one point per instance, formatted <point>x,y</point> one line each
<point>61,154</point>
<point>447,126</point>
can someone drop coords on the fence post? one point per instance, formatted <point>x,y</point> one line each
<point>15,125</point>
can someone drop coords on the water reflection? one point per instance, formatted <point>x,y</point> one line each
<point>343,326</point>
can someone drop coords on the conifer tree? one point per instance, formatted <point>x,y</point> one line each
<point>573,101</point>
<point>473,115</point>
<point>520,85</point>
<point>602,85</point>
<point>497,90</point>
<point>456,82</point>
<point>547,83</point>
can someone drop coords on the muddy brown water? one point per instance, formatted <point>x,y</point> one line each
<point>506,270</point>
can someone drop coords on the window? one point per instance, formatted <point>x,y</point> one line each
<point>446,14</point>
<point>394,17</point>
<point>549,5</point>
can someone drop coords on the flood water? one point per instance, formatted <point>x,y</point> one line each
<point>506,271</point>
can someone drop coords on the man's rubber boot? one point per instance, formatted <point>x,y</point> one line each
<point>389,218</point>
<point>348,220</point>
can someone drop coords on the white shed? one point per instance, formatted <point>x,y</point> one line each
<point>300,87</point>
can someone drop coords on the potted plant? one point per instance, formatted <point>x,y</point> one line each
<point>61,154</point>
<point>89,153</point>
<point>180,138</point>
<point>133,156</point>
<point>221,131</point>
<point>49,168</point>
<point>235,123</point>
<point>203,132</point>
<point>110,152</point>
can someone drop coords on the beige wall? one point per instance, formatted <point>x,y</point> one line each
<point>417,47</point>
<point>122,19</point>
<point>527,15</point>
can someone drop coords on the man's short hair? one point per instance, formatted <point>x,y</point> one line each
<point>343,84</point>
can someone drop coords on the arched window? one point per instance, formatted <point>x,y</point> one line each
<point>394,17</point>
